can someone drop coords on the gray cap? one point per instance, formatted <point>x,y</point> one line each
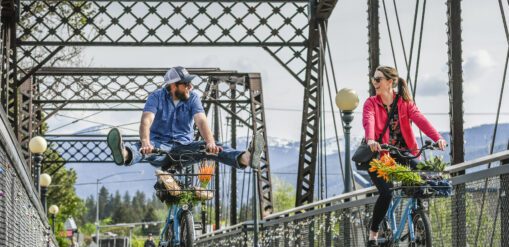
<point>178,74</point>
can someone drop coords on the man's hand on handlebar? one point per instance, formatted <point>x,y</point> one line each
<point>213,148</point>
<point>146,147</point>
<point>374,145</point>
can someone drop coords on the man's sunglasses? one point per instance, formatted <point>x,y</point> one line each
<point>188,85</point>
<point>378,79</point>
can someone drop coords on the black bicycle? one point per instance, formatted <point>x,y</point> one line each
<point>419,226</point>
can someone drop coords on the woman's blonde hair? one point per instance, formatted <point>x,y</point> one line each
<point>392,73</point>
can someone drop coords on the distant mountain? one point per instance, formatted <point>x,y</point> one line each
<point>283,155</point>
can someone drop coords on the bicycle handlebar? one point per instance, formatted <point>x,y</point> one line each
<point>427,145</point>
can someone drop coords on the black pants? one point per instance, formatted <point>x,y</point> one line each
<point>385,193</point>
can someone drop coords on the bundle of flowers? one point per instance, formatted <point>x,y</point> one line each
<point>206,170</point>
<point>390,171</point>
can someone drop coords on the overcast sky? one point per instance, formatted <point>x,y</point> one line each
<point>484,50</point>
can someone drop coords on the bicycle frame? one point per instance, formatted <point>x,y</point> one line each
<point>397,230</point>
<point>174,213</point>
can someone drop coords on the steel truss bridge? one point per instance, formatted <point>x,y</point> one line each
<point>33,88</point>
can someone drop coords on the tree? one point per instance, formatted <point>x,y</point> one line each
<point>103,200</point>
<point>150,216</point>
<point>63,194</point>
<point>284,194</point>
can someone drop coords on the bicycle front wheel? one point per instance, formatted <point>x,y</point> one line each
<point>187,229</point>
<point>422,230</point>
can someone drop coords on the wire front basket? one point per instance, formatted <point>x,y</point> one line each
<point>171,187</point>
<point>436,184</point>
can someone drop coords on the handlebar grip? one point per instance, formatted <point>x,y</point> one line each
<point>157,150</point>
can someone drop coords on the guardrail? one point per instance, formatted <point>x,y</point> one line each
<point>22,218</point>
<point>476,215</point>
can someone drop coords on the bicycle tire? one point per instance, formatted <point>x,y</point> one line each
<point>186,229</point>
<point>167,236</point>
<point>422,230</point>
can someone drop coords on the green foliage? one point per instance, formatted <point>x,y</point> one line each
<point>150,216</point>
<point>435,164</point>
<point>283,194</point>
<point>186,197</point>
<point>63,194</point>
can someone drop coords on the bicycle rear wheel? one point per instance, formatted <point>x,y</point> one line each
<point>422,230</point>
<point>186,229</point>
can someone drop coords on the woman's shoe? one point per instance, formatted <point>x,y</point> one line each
<point>372,243</point>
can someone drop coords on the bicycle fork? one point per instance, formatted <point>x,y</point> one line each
<point>173,221</point>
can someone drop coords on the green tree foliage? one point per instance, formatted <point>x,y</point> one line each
<point>150,216</point>
<point>62,193</point>
<point>284,194</point>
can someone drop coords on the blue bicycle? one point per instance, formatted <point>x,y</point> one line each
<point>414,215</point>
<point>179,228</point>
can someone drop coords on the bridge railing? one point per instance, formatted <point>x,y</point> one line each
<point>22,218</point>
<point>476,215</point>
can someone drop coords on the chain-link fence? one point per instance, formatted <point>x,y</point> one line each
<point>22,220</point>
<point>477,214</point>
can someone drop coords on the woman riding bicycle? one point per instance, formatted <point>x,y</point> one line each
<point>374,118</point>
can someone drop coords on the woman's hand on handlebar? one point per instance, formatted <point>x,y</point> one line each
<point>374,145</point>
<point>146,147</point>
<point>441,144</point>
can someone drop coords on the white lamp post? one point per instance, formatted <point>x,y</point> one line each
<point>44,182</point>
<point>53,210</point>
<point>37,146</point>
<point>347,100</point>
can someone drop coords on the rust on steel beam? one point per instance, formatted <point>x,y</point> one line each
<point>259,126</point>
<point>373,40</point>
<point>456,116</point>
<point>324,8</point>
<point>310,113</point>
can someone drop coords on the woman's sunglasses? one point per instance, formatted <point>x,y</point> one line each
<point>378,79</point>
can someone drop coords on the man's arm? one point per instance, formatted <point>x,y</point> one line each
<point>146,121</point>
<point>201,122</point>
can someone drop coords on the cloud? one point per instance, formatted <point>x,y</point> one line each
<point>434,85</point>
<point>477,64</point>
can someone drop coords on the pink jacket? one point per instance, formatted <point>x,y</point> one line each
<point>374,118</point>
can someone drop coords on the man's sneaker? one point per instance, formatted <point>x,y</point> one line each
<point>256,150</point>
<point>116,146</point>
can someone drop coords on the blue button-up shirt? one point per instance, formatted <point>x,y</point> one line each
<point>172,122</point>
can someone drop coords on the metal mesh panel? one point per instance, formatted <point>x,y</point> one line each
<point>20,223</point>
<point>486,204</point>
<point>163,22</point>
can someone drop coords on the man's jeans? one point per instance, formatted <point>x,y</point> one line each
<point>228,156</point>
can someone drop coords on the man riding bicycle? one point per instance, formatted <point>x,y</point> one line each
<point>167,124</point>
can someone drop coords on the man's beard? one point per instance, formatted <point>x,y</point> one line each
<point>180,95</point>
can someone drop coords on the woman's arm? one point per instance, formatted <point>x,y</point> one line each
<point>368,120</point>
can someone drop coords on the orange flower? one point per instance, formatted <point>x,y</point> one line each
<point>382,174</point>
<point>372,168</point>
<point>388,160</point>
<point>206,172</point>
